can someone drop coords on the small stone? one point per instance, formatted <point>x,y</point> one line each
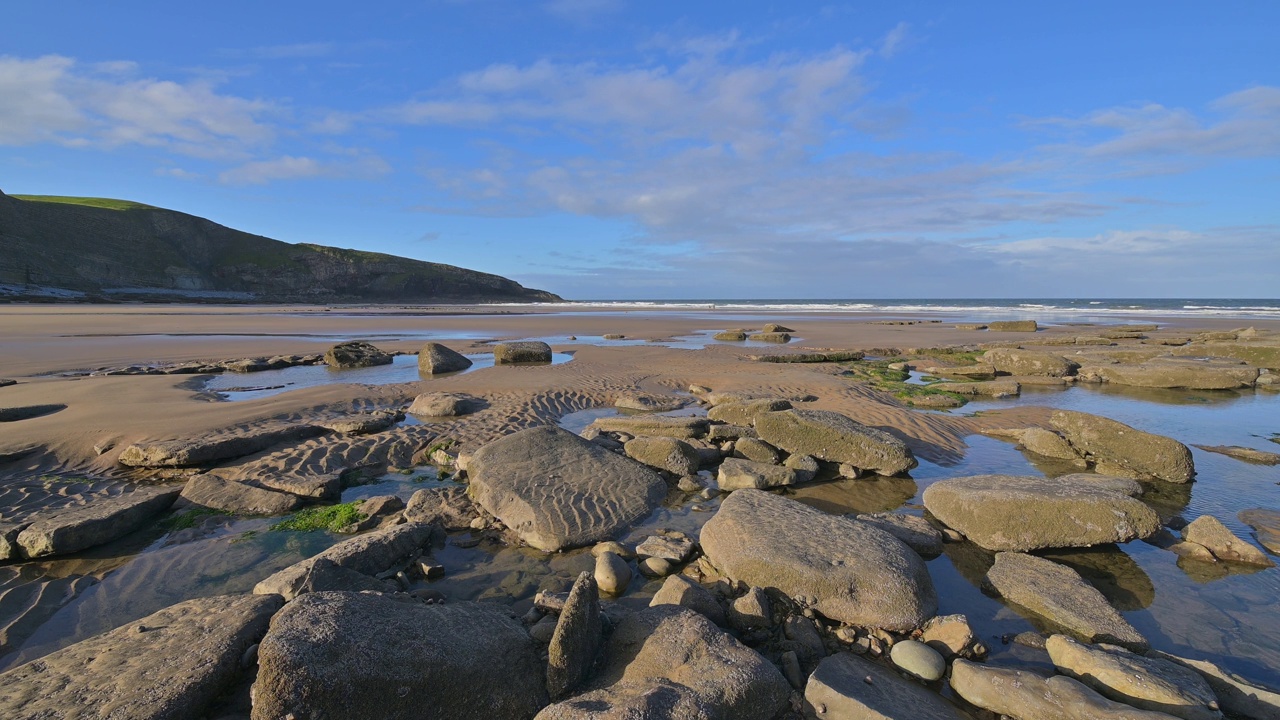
<point>791,669</point>
<point>544,629</point>
<point>918,659</point>
<point>656,567</point>
<point>612,573</point>
<point>950,635</point>
<point>615,547</point>
<point>675,549</point>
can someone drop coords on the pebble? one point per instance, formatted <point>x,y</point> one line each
<point>918,659</point>
<point>656,567</point>
<point>615,547</point>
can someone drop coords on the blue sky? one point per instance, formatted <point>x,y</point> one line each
<point>614,149</point>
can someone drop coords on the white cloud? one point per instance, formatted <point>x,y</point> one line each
<point>894,40</point>
<point>288,167</point>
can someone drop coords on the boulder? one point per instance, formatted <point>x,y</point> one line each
<point>1023,695</point>
<point>913,530</point>
<point>356,354</point>
<point>447,506</point>
<point>1013,512</point>
<point>185,453</point>
<point>1119,449</point>
<point>674,456</point>
<point>771,337</point>
<point>989,388</point>
<point>730,336</point>
<point>739,474</point>
<point>441,404</point>
<point>521,352</point>
<point>1016,361</point>
<point>211,491</point>
<point>80,527</point>
<point>170,665</point>
<point>1192,374</point>
<point>579,634</point>
<point>776,328</point>
<point>1047,443</point>
<point>680,590</point>
<point>1208,531</point>
<point>745,412</point>
<point>362,423</point>
<point>369,554</point>
<point>1057,594</point>
<point>848,687</point>
<point>846,570</point>
<point>1266,526</point>
<point>1237,697</point>
<point>757,451</point>
<point>328,655</point>
<point>918,659</point>
<point>557,491</point>
<point>325,575</point>
<point>833,437</point>
<point>648,402</point>
<point>1013,326</point>
<point>436,359</point>
<point>672,663</point>
<point>1146,683</point>
<point>654,426</point>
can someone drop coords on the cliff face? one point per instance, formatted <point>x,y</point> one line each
<point>119,249</point>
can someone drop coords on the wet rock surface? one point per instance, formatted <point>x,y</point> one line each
<point>1119,449</point>
<point>1146,683</point>
<point>369,554</point>
<point>356,355</point>
<point>1023,695</point>
<point>848,686</point>
<point>79,527</point>
<point>437,359</point>
<point>835,438</point>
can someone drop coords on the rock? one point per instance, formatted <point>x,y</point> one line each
<point>776,328</point>
<point>1266,526</point>
<point>1146,683</point>
<point>1023,695</point>
<point>913,530</point>
<point>672,663</point>
<point>440,404</point>
<point>6,382</point>
<point>848,687</point>
<point>545,629</point>
<point>663,453</point>
<point>835,438</point>
<point>745,412</point>
<point>211,491</point>
<point>28,412</point>
<point>1258,355</point>
<point>362,423</point>
<point>1057,594</point>
<point>729,432</point>
<point>1012,512</point>
<point>1249,455</point>
<point>779,337</point>
<point>615,547</point>
<point>556,490</point>
<point>324,575</point>
<point>1016,361</point>
<point>1047,443</point>
<point>1121,450</point>
<point>980,371</point>
<point>1237,697</point>
<point>612,573</point>
<point>950,635</point>
<point>1208,531</point>
<point>730,336</point>
<point>812,357</point>
<point>655,426</point>
<point>185,453</point>
<point>521,352</point>
<point>577,640</point>
<point>647,402</point>
<point>918,659</point>
<point>356,354</point>
<point>677,549</point>
<point>185,658</point>
<point>751,611</point>
<point>320,659</point>
<point>846,570</point>
<point>738,474</point>
<point>79,527</point>
<point>379,511</point>
<point>1190,373</point>
<point>326,487</point>
<point>805,467</point>
<point>990,388</point>
<point>1121,485</point>
<point>436,359</point>
<point>369,554</point>
<point>1013,326</point>
<point>970,326</point>
<point>756,450</point>
<point>614,336</point>
<point>680,590</point>
<point>448,506</point>
<point>656,567</point>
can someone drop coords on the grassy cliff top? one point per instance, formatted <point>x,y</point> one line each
<point>107,203</point>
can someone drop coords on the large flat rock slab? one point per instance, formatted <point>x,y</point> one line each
<point>1057,594</point>
<point>670,662</point>
<point>849,686</point>
<point>1118,449</point>
<point>1192,374</point>
<point>1144,682</point>
<point>361,656</point>
<point>558,491</point>
<point>833,437</point>
<point>371,553</point>
<point>846,570</point>
<point>170,665</point>
<point>653,426</point>
<point>211,491</point>
<point>1016,512</point>
<point>1023,695</point>
<point>84,526</point>
<point>186,453</point>
<point>1016,361</point>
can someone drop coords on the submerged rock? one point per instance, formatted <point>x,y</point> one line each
<point>1118,449</point>
<point>1146,683</point>
<point>1023,695</point>
<point>1013,512</point>
<point>436,359</point>
<point>1057,594</point>
<point>1266,526</point>
<point>1249,455</point>
<point>79,527</point>
<point>557,490</point>
<point>356,354</point>
<point>848,687</point>
<point>833,437</point>
<point>521,352</point>
<point>1208,531</point>
<point>846,570</point>
<point>1237,697</point>
<point>324,658</point>
<point>170,665</point>
<point>370,554</point>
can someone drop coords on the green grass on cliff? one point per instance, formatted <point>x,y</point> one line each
<point>106,203</point>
